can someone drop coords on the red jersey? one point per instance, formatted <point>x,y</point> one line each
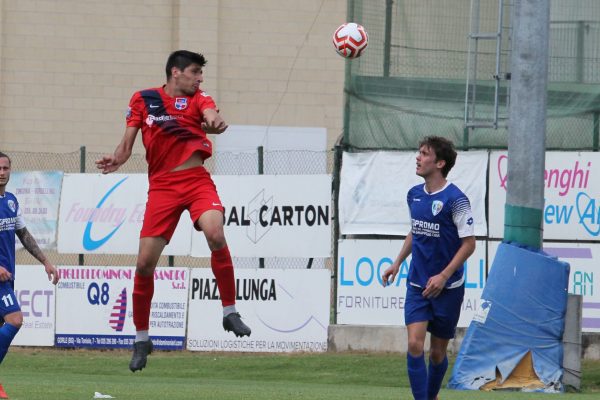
<point>170,126</point>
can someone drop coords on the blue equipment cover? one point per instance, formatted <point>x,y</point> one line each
<point>522,309</point>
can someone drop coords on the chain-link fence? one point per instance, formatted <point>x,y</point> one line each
<point>300,162</point>
<point>432,68</point>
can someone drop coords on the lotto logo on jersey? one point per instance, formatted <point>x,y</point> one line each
<point>436,207</point>
<point>181,103</point>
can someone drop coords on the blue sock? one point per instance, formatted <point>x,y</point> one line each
<point>7,334</point>
<point>435,377</point>
<point>417,375</point>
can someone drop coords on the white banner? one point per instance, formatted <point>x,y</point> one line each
<point>38,193</point>
<point>374,186</point>
<point>584,259</point>
<point>94,307</point>
<point>287,310</point>
<point>571,192</point>
<point>36,296</point>
<point>274,216</point>
<point>104,214</point>
<point>361,298</point>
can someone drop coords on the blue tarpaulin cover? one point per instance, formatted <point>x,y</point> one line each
<point>522,309</point>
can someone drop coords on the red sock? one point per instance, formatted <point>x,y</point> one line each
<point>143,290</point>
<point>222,268</point>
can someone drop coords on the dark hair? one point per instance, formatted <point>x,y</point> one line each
<point>443,149</point>
<point>5,155</point>
<point>182,59</point>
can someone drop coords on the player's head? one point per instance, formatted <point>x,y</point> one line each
<point>4,170</point>
<point>442,149</point>
<point>184,71</point>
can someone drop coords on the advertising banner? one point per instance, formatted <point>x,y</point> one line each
<point>583,258</point>
<point>374,185</point>
<point>36,296</point>
<point>38,193</point>
<point>104,213</point>
<point>274,216</point>
<point>287,310</point>
<point>94,307</point>
<point>571,193</point>
<point>361,297</point>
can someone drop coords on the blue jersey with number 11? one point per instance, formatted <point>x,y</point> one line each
<point>439,222</point>
<point>10,221</point>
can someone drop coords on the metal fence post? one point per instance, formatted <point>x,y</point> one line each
<point>261,171</point>
<point>82,170</point>
<point>596,132</point>
<point>337,166</point>
<point>387,39</point>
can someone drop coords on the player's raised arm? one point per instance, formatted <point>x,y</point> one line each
<point>213,122</point>
<point>111,162</point>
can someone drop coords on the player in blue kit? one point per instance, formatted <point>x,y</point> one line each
<point>11,224</point>
<point>441,239</point>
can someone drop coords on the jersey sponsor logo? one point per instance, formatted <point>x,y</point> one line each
<point>12,206</point>
<point>161,118</point>
<point>180,103</point>
<point>425,228</point>
<point>8,224</point>
<point>436,207</point>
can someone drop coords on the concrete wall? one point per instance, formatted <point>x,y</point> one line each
<point>69,67</point>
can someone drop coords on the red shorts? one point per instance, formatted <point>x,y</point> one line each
<point>173,192</point>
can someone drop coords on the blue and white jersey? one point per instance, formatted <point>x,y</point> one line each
<point>10,221</point>
<point>439,221</point>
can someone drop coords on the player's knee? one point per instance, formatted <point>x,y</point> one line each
<point>415,347</point>
<point>215,239</point>
<point>144,267</point>
<point>437,355</point>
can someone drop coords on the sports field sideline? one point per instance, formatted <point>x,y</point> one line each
<point>33,373</point>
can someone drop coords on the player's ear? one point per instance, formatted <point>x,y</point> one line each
<point>440,164</point>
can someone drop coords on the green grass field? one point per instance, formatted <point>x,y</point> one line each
<point>30,374</point>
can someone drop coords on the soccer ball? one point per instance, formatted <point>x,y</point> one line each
<point>350,40</point>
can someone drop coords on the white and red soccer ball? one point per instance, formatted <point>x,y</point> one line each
<point>350,40</point>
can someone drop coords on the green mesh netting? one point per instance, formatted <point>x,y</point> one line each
<point>412,79</point>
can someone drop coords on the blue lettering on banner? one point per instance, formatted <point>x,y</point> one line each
<point>480,274</point>
<point>557,214</point>
<point>588,213</point>
<point>96,296</point>
<point>89,243</point>
<point>583,283</point>
<point>366,269</point>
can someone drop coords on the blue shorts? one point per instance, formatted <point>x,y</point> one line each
<point>8,300</point>
<point>442,312</point>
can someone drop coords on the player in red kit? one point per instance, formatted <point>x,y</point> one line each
<point>174,120</point>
